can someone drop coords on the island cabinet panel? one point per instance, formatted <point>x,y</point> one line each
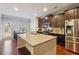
<point>20,42</point>
<point>58,20</point>
<point>45,48</point>
<point>72,14</point>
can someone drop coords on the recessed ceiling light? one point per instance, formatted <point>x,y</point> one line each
<point>16,9</point>
<point>45,9</point>
<point>46,18</point>
<point>35,14</point>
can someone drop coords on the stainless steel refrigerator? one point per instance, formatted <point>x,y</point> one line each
<point>72,35</point>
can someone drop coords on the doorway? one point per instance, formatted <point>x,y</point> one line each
<point>7,30</point>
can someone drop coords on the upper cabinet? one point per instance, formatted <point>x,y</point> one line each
<point>58,20</point>
<point>72,14</point>
<point>40,23</point>
<point>50,19</point>
<point>55,21</point>
<point>77,12</point>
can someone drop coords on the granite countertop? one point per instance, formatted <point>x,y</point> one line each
<point>22,35</point>
<point>35,39</point>
<point>57,32</point>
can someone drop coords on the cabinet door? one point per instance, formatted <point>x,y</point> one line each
<point>70,14</point>
<point>50,20</point>
<point>77,12</point>
<point>58,20</point>
<point>61,20</point>
<point>54,21</point>
<point>40,23</point>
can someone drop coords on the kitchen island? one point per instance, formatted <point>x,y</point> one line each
<point>37,44</point>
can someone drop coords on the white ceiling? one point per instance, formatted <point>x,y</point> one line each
<point>28,9</point>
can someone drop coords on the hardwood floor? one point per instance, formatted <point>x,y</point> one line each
<point>62,51</point>
<point>9,47</point>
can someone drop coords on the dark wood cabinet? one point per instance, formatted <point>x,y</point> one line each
<point>50,20</point>
<point>77,13</point>
<point>54,21</point>
<point>72,14</point>
<point>41,22</point>
<point>58,20</point>
<point>60,38</point>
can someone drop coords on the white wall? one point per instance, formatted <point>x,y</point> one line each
<point>15,22</point>
<point>34,25</point>
<point>0,28</point>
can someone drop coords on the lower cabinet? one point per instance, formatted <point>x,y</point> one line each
<point>60,38</point>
